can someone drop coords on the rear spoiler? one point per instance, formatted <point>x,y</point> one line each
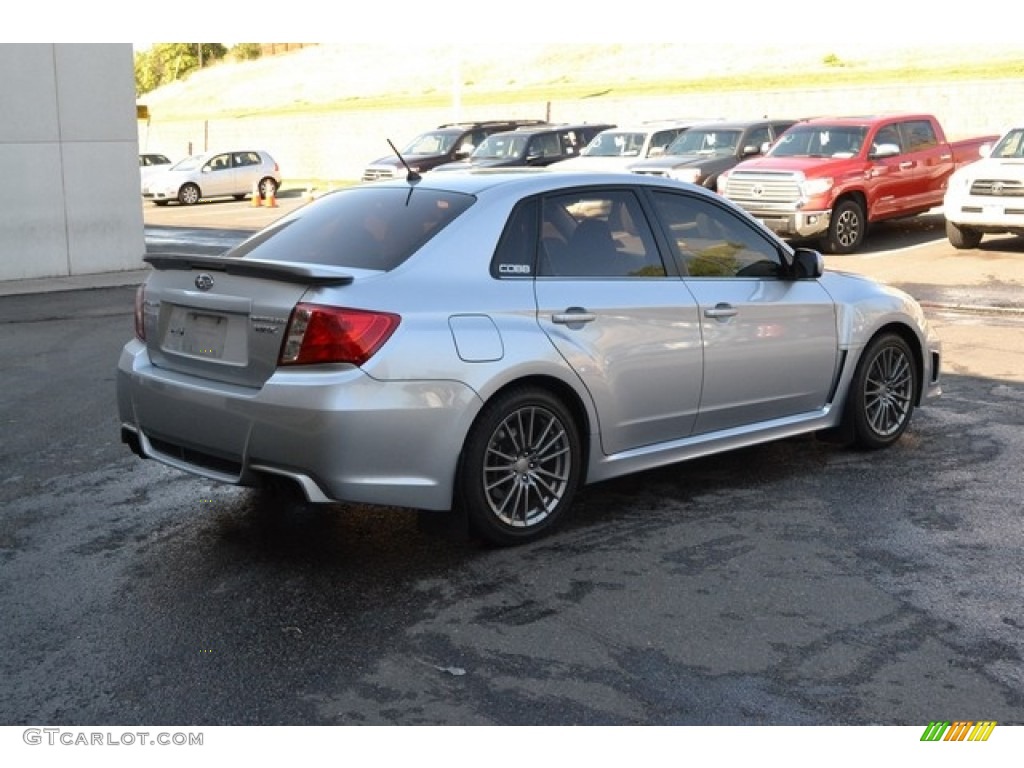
<point>307,274</point>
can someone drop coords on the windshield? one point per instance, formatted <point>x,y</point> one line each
<point>615,144</point>
<point>1011,145</point>
<point>500,146</point>
<point>433,143</point>
<point>188,164</point>
<point>359,227</point>
<point>820,141</point>
<point>695,142</point>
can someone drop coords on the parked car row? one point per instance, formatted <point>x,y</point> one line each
<point>823,179</point>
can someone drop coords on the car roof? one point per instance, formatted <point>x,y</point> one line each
<point>739,125</point>
<point>862,120</point>
<point>525,181</point>
<point>229,150</point>
<point>657,125</point>
<point>554,127</point>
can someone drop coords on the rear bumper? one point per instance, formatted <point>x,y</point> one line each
<point>339,434</point>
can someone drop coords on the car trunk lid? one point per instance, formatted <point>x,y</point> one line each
<point>222,318</point>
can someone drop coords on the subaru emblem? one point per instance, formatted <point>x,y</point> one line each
<point>204,282</point>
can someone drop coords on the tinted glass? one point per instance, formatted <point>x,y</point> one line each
<point>712,242</point>
<point>362,227</point>
<point>597,233</point>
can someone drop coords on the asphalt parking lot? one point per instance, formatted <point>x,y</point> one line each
<point>791,584</point>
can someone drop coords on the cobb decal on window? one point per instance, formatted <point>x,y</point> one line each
<point>514,269</point>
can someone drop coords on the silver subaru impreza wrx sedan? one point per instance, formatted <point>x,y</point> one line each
<point>487,342</point>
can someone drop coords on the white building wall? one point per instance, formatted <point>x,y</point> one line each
<point>69,197</point>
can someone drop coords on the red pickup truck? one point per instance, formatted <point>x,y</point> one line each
<point>829,178</point>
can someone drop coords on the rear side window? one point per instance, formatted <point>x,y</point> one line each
<point>362,227</point>
<point>599,233</point>
<point>918,135</point>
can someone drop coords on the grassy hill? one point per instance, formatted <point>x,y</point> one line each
<point>334,77</point>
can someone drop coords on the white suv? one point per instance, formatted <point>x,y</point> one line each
<point>987,196</point>
<point>233,173</point>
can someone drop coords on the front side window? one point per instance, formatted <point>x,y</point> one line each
<point>711,241</point>
<point>219,163</point>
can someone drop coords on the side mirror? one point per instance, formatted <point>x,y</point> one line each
<point>807,263</point>
<point>464,151</point>
<point>985,150</point>
<point>751,149</point>
<point>886,150</point>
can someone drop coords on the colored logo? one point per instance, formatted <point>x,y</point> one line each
<point>961,730</point>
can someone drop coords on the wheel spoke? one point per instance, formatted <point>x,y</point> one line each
<point>527,466</point>
<point>888,391</point>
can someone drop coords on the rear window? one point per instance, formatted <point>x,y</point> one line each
<point>362,227</point>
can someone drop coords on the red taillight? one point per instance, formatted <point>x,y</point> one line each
<point>318,334</point>
<point>140,320</point>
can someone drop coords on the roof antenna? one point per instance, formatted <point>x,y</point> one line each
<point>412,175</point>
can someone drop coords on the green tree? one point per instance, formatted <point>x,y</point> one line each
<point>246,51</point>
<point>164,63</point>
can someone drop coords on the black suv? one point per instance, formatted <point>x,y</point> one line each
<point>444,144</point>
<point>537,146</point>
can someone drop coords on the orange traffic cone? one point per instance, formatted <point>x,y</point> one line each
<point>271,201</point>
<point>256,202</point>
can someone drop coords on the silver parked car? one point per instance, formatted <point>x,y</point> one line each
<point>489,341</point>
<point>234,173</point>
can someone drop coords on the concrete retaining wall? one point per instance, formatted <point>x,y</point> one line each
<point>338,146</point>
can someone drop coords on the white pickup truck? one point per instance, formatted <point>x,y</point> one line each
<point>987,196</point>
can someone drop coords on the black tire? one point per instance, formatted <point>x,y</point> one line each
<point>520,467</point>
<point>882,394</point>
<point>846,228</point>
<point>962,237</point>
<point>189,194</point>
<point>267,188</point>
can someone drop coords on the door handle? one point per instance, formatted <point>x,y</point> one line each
<point>906,165</point>
<point>573,316</point>
<point>721,311</point>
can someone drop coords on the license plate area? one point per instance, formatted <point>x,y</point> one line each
<point>205,335</point>
<point>992,211</point>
